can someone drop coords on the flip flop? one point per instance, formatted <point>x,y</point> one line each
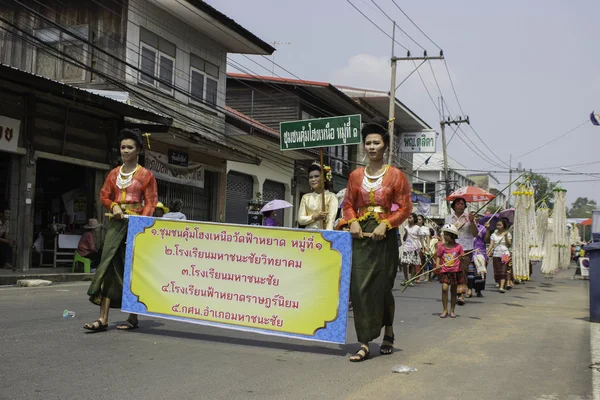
<point>452,315</point>
<point>387,349</point>
<point>444,316</point>
<point>128,325</point>
<point>96,328</point>
<point>362,354</point>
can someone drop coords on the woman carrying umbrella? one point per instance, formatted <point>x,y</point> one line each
<point>467,231</point>
<point>310,212</point>
<point>370,194</point>
<point>465,223</point>
<point>269,209</point>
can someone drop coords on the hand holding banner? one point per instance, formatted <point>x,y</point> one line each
<point>283,282</point>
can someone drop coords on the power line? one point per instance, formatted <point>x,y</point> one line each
<point>568,165</point>
<point>376,26</point>
<point>176,88</point>
<point>553,140</point>
<point>487,159</point>
<point>451,82</point>
<point>424,34</point>
<point>401,30</point>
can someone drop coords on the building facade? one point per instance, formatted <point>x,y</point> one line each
<point>169,58</point>
<point>428,178</point>
<point>272,100</point>
<point>489,182</point>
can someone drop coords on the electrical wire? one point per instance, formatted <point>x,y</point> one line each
<point>376,26</point>
<point>451,81</point>
<point>416,26</point>
<point>585,122</point>
<point>401,30</point>
<point>175,88</point>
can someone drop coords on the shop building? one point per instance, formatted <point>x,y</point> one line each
<point>164,56</point>
<point>58,143</point>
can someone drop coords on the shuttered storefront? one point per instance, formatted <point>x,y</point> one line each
<point>196,201</point>
<point>240,189</point>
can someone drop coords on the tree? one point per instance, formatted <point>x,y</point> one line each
<point>582,208</point>
<point>542,189</point>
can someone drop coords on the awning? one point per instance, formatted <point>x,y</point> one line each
<point>47,88</point>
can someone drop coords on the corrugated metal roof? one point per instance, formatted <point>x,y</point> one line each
<point>89,92</point>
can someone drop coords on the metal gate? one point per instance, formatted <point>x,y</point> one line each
<point>240,189</point>
<point>197,202</point>
<point>272,191</point>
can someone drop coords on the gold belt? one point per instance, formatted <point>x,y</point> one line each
<point>376,209</point>
<point>130,206</point>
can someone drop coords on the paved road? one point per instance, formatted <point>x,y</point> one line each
<point>530,343</point>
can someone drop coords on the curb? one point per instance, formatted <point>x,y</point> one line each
<point>66,277</point>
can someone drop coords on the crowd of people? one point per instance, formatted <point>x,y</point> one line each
<point>376,207</point>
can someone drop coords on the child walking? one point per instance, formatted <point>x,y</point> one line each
<point>448,264</point>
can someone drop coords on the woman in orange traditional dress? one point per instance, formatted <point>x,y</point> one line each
<point>128,189</point>
<point>370,193</point>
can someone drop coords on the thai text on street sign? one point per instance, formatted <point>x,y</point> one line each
<point>418,142</point>
<point>321,132</point>
<point>275,281</point>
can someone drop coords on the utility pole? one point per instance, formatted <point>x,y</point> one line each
<point>457,121</point>
<point>392,109</point>
<point>274,43</point>
<point>510,179</point>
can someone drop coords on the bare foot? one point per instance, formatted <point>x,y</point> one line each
<point>452,315</point>
<point>444,314</point>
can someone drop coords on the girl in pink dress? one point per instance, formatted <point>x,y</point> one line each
<point>448,266</point>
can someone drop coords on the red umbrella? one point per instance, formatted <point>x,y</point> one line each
<point>471,194</point>
<point>587,222</point>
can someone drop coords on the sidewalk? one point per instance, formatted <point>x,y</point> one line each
<point>59,274</point>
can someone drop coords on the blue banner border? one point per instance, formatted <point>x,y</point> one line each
<point>334,331</point>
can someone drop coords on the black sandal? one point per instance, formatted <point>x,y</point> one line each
<point>96,328</point>
<point>363,353</point>
<point>387,349</point>
<point>128,325</point>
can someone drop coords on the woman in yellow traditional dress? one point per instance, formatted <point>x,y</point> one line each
<point>129,189</point>
<point>310,214</point>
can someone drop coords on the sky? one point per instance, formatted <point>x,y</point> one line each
<point>525,72</point>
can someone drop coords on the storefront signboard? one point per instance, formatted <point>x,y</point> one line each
<point>418,142</point>
<point>9,134</point>
<point>192,175</point>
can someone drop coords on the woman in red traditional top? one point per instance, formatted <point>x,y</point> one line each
<point>128,189</point>
<point>367,207</point>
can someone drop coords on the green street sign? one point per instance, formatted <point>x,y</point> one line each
<point>321,132</point>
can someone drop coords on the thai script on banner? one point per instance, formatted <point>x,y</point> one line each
<point>286,282</point>
<point>192,175</point>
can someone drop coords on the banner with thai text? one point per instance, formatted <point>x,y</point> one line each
<point>276,281</point>
<point>191,175</point>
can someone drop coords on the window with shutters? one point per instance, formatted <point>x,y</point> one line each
<point>157,61</point>
<point>71,54</point>
<point>204,82</point>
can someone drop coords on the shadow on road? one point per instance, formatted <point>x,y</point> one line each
<point>342,350</point>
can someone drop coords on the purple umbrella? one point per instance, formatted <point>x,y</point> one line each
<point>508,213</point>
<point>276,205</point>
